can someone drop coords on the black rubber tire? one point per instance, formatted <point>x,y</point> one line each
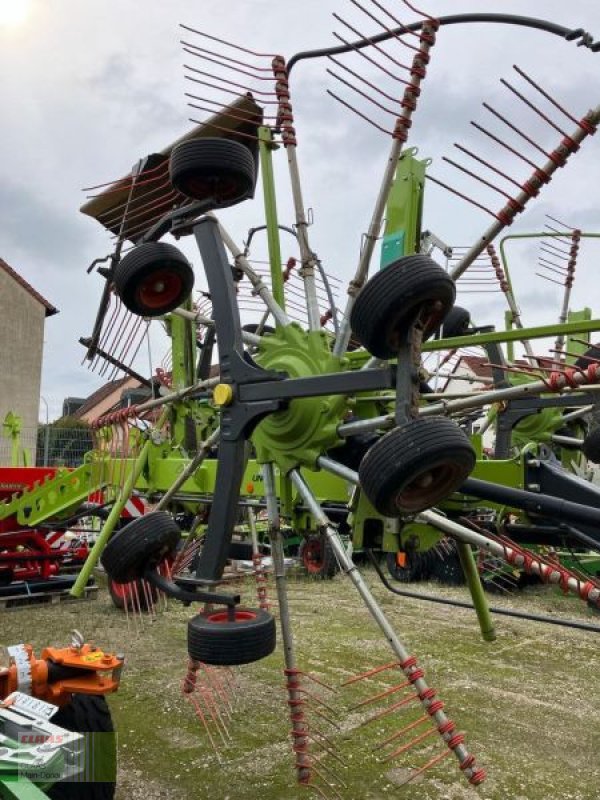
<point>89,714</point>
<point>141,545</point>
<point>213,639</point>
<point>118,596</point>
<point>591,355</point>
<point>220,170</point>
<point>351,453</point>
<point>240,551</point>
<point>416,465</point>
<point>153,279</point>
<point>591,446</point>
<point>416,567</point>
<point>457,323</point>
<point>392,300</point>
<point>252,327</point>
<point>317,557</point>
<point>447,568</point>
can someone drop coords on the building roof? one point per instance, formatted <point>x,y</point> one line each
<point>99,395</point>
<point>50,309</point>
<point>479,365</point>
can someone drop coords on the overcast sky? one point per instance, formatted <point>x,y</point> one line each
<point>87,88</point>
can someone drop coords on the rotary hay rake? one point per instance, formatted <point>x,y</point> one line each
<point>297,395</point>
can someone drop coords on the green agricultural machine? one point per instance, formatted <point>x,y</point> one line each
<point>329,428</point>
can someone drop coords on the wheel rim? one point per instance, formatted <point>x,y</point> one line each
<point>219,617</point>
<point>430,485</point>
<point>120,590</point>
<point>312,556</point>
<point>160,289</point>
<point>222,189</point>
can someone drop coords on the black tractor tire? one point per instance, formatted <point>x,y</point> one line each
<point>590,356</point>
<point>392,300</point>
<point>122,594</point>
<point>591,446</point>
<point>416,465</point>
<point>215,639</point>
<point>221,171</point>
<point>446,567</point>
<point>317,557</point>
<point>415,566</point>
<point>141,545</point>
<point>240,551</point>
<point>153,279</point>
<point>457,323</point>
<point>89,714</point>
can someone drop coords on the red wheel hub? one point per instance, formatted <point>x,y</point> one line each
<point>225,616</point>
<point>160,289</point>
<point>312,556</point>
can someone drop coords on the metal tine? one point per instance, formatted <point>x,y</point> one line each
<point>188,687</point>
<point>226,42</point>
<point>417,740</point>
<point>370,673</point>
<point>534,108</point>
<point>463,196</point>
<point>221,79</point>
<point>329,785</point>
<point>514,128</point>
<point>398,734</point>
<point>380,695</point>
<point>149,197</point>
<point>363,79</point>
<point>558,222</point>
<point>431,763</point>
<point>149,171</point>
<point>545,94</point>
<point>377,21</point>
<point>320,758</point>
<point>151,187</point>
<point>199,51</point>
<point>212,707</point>
<point>236,69</point>
<point>555,252</point>
<point>487,164</point>
<point>411,698</point>
<point>222,109</point>
<point>362,94</point>
<point>374,44</point>
<point>555,271</point>
<point>506,146</point>
<point>359,51</point>
<point>558,267</point>
<point>476,177</point>
<point>560,235</point>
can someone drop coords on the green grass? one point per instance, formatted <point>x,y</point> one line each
<point>529,702</point>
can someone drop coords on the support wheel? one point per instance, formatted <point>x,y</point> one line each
<point>591,446</point>
<point>141,545</point>
<point>153,279</point>
<point>220,171</point>
<point>392,300</point>
<point>137,596</point>
<point>457,323</point>
<point>215,638</point>
<point>317,556</point>
<point>416,465</point>
<point>89,714</point>
<point>409,567</point>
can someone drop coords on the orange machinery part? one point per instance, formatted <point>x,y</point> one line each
<point>100,673</point>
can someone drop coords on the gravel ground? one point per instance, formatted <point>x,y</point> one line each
<point>528,702</point>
